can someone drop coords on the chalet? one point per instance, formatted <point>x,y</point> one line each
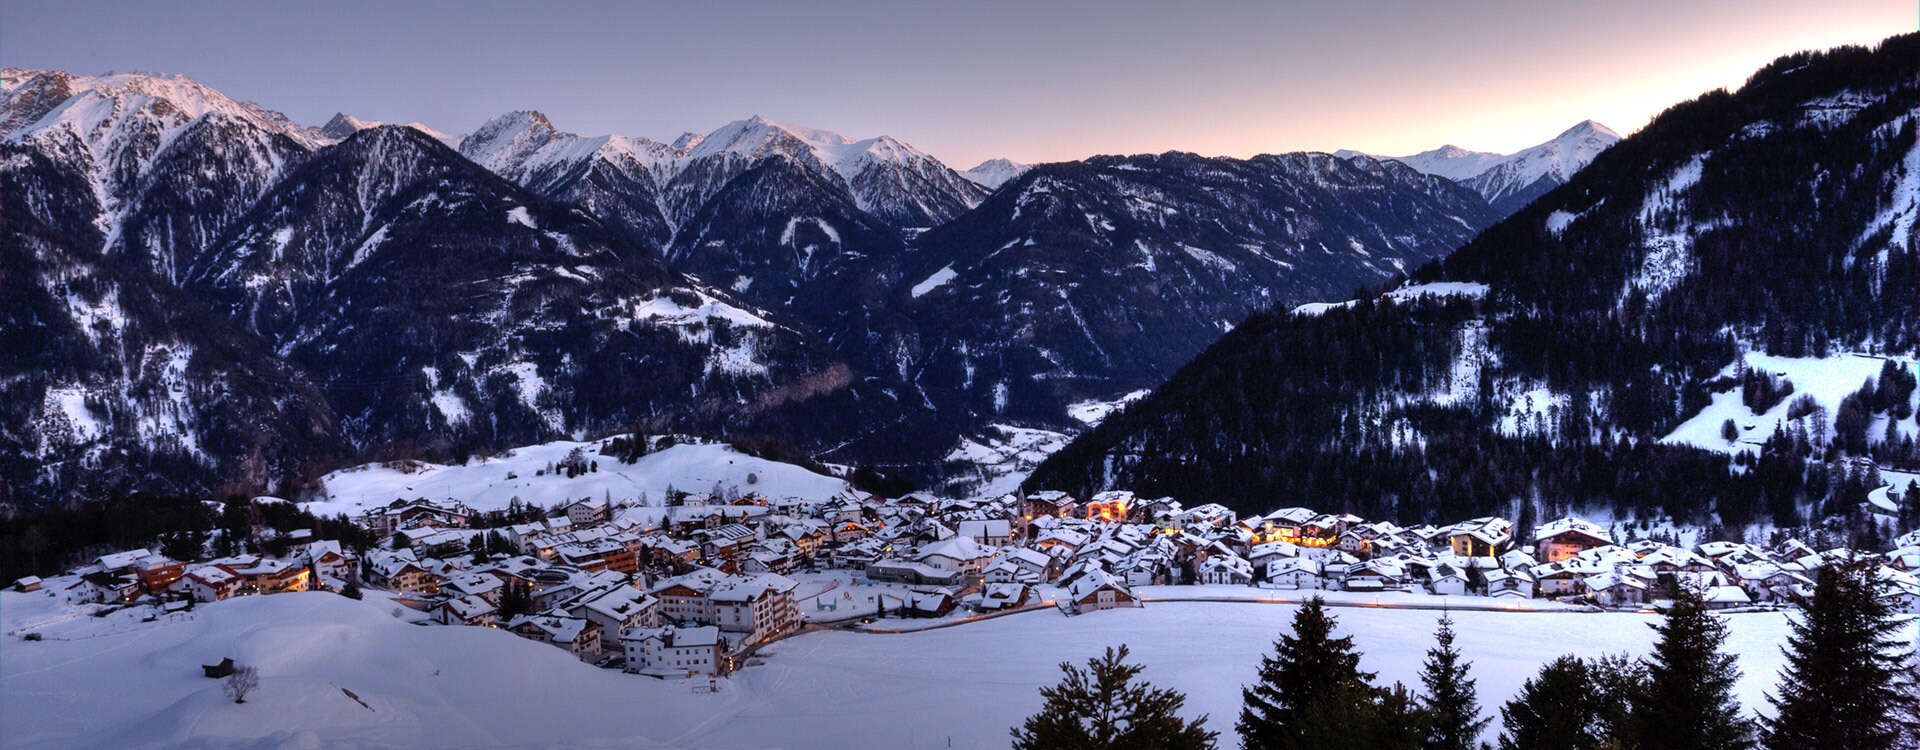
<point>328,559</point>
<point>1022,565</point>
<point>1112,505</point>
<point>1725,597</point>
<point>999,596</point>
<point>1565,537</point>
<point>926,603</point>
<point>574,634</point>
<point>402,573</point>
<point>27,584</point>
<point>1557,579</point>
<point>674,652</point>
<point>1226,569</point>
<point>401,514</point>
<point>1480,537</point>
<point>617,609</point>
<point>959,554</point>
<point>112,587</point>
<point>1446,580</point>
<point>475,583</point>
<point>684,598</point>
<point>1293,573</point>
<point>1048,504</point>
<point>1618,589</point>
<point>760,606</point>
<point>267,575</point>
<point>209,583</point>
<point>997,532</point>
<point>589,512</point>
<point>1374,575</point>
<point>466,610</point>
<point>1099,590</point>
<point>1510,584</point>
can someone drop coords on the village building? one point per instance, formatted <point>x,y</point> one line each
<point>1563,538</point>
<point>675,652</point>
<point>1098,590</point>
<point>574,634</point>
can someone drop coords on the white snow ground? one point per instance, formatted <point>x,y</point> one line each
<point>483,484</point>
<point>1828,380</point>
<point>476,687</point>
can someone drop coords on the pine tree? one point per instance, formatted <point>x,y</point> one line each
<point>1558,709</point>
<point>1311,692</point>
<point>1104,706</point>
<point>1688,702</point>
<point>1451,706</point>
<point>1844,679</point>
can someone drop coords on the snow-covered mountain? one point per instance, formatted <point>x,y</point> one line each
<point>1510,181</point>
<point>169,161</point>
<point>847,295</point>
<point>1715,321</point>
<point>993,173</point>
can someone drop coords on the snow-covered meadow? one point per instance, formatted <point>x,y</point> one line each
<point>478,687</point>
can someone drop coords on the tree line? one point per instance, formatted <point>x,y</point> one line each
<point>1851,681</point>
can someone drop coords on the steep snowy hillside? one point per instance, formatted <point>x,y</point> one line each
<point>1090,280</point>
<point>1705,285</point>
<point>170,162</point>
<point>490,483</point>
<point>113,380</point>
<point>440,306</point>
<point>615,178</point>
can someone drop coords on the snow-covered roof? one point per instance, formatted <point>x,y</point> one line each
<point>1572,524</point>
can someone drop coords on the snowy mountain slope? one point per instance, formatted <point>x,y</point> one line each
<point>1090,280</point>
<point>993,173</point>
<point>1510,181</point>
<point>170,161</point>
<point>437,303</point>
<point>490,483</point>
<point>615,178</point>
<point>113,380</point>
<point>1759,227</point>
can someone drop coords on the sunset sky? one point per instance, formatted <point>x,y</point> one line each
<point>1032,81</point>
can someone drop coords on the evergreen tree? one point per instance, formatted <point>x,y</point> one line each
<point>1558,709</point>
<point>1311,692</point>
<point>1104,706</point>
<point>1688,702</point>
<point>1451,706</point>
<point>1845,678</point>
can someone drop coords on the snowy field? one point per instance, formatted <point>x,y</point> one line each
<point>1828,380</point>
<point>138,685</point>
<point>483,483</point>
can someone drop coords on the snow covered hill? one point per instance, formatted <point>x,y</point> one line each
<point>336,672</point>
<point>490,483</point>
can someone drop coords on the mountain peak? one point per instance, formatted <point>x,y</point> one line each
<point>1588,128</point>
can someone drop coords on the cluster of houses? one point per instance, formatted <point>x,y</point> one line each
<point>694,587</point>
<point>129,576</point>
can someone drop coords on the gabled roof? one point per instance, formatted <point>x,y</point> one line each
<point>1572,524</point>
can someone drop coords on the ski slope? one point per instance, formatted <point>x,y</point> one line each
<point>139,686</point>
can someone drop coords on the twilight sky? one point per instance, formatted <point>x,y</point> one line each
<point>1033,81</point>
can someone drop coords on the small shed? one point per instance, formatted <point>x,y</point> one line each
<point>216,671</point>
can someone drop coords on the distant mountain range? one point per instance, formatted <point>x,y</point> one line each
<point>1510,181</point>
<point>207,295</point>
